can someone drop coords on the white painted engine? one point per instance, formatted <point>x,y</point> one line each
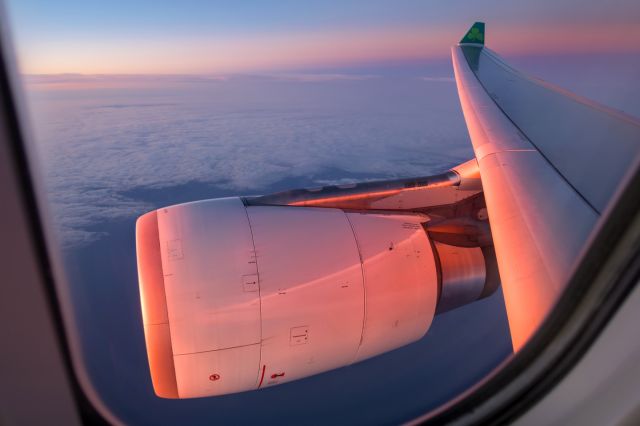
<point>238,297</point>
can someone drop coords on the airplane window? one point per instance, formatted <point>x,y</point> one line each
<point>318,212</point>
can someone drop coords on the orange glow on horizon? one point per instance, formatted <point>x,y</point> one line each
<point>273,52</point>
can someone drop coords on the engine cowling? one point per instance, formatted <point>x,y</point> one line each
<point>238,297</point>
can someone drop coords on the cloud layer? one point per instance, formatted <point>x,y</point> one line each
<point>241,134</point>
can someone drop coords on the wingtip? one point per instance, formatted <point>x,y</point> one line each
<point>475,36</point>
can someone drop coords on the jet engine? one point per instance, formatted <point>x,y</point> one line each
<point>238,297</point>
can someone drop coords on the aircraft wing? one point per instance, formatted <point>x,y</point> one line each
<point>550,163</point>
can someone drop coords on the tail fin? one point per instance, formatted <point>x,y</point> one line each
<point>475,35</point>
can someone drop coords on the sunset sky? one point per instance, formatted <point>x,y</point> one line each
<point>223,37</point>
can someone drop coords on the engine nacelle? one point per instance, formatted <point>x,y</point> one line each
<point>238,297</point>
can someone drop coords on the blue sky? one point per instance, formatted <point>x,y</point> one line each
<point>45,18</point>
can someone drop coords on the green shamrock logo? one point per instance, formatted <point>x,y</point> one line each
<point>475,34</point>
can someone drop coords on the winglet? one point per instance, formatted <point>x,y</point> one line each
<point>475,35</point>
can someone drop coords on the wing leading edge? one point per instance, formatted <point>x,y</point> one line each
<point>550,163</point>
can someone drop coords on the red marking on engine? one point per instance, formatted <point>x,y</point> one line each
<point>214,377</point>
<point>262,377</point>
<point>273,376</point>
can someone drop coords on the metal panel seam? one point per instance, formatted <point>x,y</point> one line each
<point>364,287</point>
<point>255,256</point>
<point>217,350</point>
